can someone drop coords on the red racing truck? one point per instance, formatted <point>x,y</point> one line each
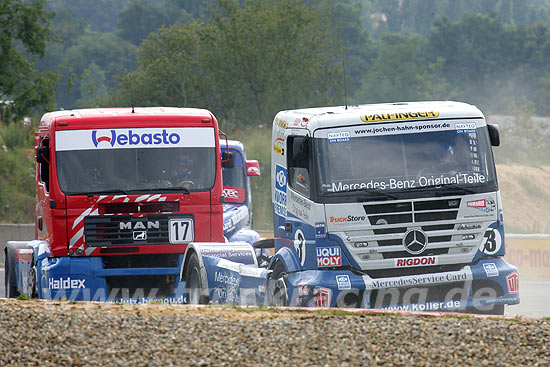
<point>120,193</point>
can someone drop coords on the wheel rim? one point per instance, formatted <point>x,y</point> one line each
<point>194,287</point>
<point>279,296</point>
<point>31,282</point>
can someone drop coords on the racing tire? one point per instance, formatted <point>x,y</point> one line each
<point>277,286</point>
<point>9,278</point>
<point>9,271</point>
<point>193,281</point>
<point>32,282</point>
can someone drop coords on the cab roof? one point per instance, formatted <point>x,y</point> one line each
<point>122,113</point>
<point>318,117</point>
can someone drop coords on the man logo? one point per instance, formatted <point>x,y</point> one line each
<point>139,235</point>
<point>415,241</point>
<point>109,139</point>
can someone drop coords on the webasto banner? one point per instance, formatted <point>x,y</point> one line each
<point>134,138</point>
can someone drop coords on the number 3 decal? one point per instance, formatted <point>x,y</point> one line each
<point>300,245</point>
<point>492,242</point>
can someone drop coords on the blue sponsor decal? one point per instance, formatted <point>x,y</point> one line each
<point>465,128</point>
<point>491,270</point>
<point>343,282</point>
<point>280,178</point>
<point>320,230</point>
<point>280,190</point>
<point>340,137</point>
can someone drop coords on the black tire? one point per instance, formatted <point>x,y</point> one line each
<point>33,282</point>
<point>277,286</point>
<point>193,281</point>
<point>9,271</point>
<point>9,277</point>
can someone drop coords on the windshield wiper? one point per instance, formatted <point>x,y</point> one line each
<point>101,192</point>
<point>447,189</point>
<point>459,188</point>
<point>181,189</point>
<point>372,194</point>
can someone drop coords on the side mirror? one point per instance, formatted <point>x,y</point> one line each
<point>228,160</point>
<point>43,154</point>
<point>264,243</point>
<point>494,135</point>
<point>253,168</point>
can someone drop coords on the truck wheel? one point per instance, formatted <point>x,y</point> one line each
<point>32,282</point>
<point>9,272</point>
<point>276,286</point>
<point>193,281</point>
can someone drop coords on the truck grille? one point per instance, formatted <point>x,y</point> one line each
<point>409,213</point>
<point>382,242</point>
<point>121,230</point>
<point>412,212</point>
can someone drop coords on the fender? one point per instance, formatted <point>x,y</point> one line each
<point>246,235</point>
<point>14,273</point>
<point>41,249</point>
<point>239,252</point>
<point>289,259</point>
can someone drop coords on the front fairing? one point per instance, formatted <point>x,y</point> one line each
<point>138,224</point>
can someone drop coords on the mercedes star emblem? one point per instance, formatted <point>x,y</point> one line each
<point>415,241</point>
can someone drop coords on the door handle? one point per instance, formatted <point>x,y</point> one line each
<point>288,227</point>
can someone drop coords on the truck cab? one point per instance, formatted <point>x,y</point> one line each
<point>392,206</point>
<point>120,193</point>
<point>237,207</point>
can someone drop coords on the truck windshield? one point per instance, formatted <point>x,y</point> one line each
<point>138,169</point>
<point>375,164</point>
<point>234,184</point>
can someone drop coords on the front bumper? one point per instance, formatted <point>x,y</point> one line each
<point>86,279</point>
<point>478,287</point>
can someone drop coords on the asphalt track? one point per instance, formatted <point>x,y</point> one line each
<point>535,299</point>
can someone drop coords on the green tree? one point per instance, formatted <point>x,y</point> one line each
<point>491,64</point>
<point>472,48</point>
<point>418,15</point>
<point>246,63</point>
<point>524,140</point>
<point>138,19</point>
<point>272,55</point>
<point>100,15</point>
<point>24,30</point>
<point>402,72</point>
<point>346,25</point>
<point>92,84</point>
<point>193,8</point>
<point>111,55</point>
<point>171,70</point>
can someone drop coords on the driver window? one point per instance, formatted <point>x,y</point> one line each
<point>43,160</point>
<point>298,164</point>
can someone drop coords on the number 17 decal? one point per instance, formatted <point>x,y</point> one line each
<point>180,230</point>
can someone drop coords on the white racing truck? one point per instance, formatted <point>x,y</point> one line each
<point>389,206</point>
